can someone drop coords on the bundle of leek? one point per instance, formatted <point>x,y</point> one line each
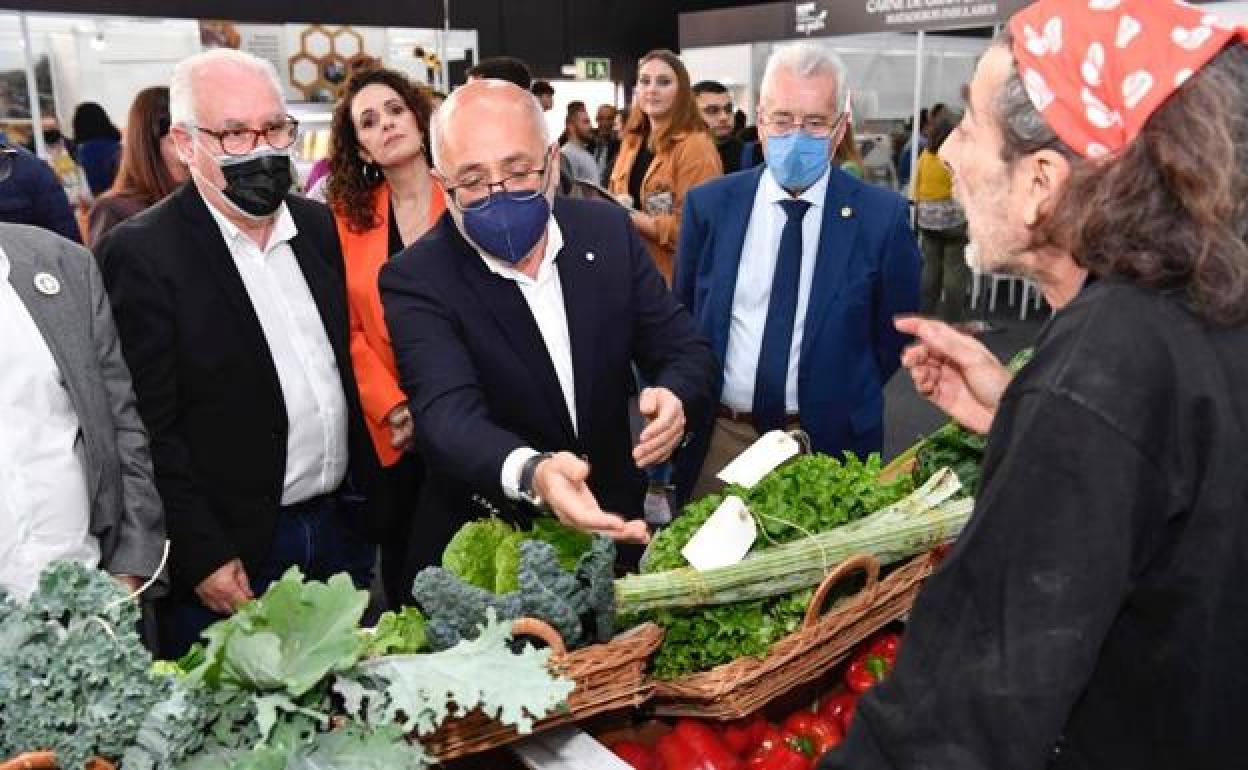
<point>920,522</point>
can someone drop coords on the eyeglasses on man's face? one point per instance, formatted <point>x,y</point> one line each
<point>473,191</point>
<point>781,123</point>
<point>278,134</point>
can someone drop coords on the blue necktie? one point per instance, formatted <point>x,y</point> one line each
<point>773,360</point>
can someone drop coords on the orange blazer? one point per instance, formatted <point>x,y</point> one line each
<point>691,160</point>
<point>375,371</point>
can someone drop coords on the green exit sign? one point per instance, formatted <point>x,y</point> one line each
<point>588,68</point>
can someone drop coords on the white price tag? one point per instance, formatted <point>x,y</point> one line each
<point>724,539</point>
<point>566,748</point>
<point>763,457</point>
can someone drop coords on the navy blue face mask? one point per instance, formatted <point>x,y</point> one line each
<point>509,225</point>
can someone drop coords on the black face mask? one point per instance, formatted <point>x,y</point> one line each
<point>51,136</point>
<point>257,183</point>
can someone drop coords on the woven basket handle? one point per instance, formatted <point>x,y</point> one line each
<point>541,629</point>
<point>865,562</point>
<point>46,760</point>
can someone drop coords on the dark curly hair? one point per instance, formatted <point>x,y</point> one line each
<point>1170,211</point>
<point>352,183</point>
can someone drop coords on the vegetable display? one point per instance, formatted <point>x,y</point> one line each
<point>284,684</point>
<point>74,676</point>
<point>716,616</point>
<point>796,741</point>
<point>551,573</point>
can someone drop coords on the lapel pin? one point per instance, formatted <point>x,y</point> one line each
<point>589,256</point>
<point>847,212</point>
<point>47,284</point>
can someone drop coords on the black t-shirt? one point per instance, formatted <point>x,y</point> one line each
<point>730,153</point>
<point>1092,613</point>
<point>637,173</point>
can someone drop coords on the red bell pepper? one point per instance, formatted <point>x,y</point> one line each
<point>706,745</point>
<point>866,670</point>
<point>820,734</point>
<point>778,756</point>
<point>886,646</point>
<point>743,736</point>
<point>636,755</point>
<point>839,708</point>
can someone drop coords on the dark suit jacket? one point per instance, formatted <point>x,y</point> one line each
<point>866,272</point>
<point>206,383</point>
<point>481,384</point>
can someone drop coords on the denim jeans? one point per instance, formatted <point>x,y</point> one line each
<point>311,536</point>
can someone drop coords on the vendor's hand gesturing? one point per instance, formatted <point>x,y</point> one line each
<point>561,483</point>
<point>954,371</point>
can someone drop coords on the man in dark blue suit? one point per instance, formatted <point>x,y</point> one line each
<point>795,271</point>
<point>515,327</point>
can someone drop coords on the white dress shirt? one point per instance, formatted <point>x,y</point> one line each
<point>759,253</point>
<point>316,410</point>
<point>45,511</point>
<point>544,296</point>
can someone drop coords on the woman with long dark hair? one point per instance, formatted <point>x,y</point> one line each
<point>97,146</point>
<point>383,198</point>
<point>665,151</point>
<point>150,168</point>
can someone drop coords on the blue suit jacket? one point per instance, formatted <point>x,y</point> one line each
<point>480,381</point>
<point>866,272</point>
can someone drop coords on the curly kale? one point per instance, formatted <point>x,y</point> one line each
<point>74,676</point>
<point>579,603</point>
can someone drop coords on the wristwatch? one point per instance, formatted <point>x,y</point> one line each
<point>527,472</point>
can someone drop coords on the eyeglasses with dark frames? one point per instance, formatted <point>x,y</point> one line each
<point>239,141</point>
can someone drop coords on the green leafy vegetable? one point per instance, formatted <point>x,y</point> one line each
<point>567,599</point>
<point>420,691</point>
<point>397,634</point>
<point>811,494</point>
<point>289,639</point>
<point>74,676</point>
<point>470,554</point>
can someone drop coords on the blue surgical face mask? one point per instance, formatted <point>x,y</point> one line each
<point>509,226</point>
<point>797,160</point>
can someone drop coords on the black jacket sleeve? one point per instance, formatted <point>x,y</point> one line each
<point>1006,634</point>
<point>452,421</point>
<point>145,318</point>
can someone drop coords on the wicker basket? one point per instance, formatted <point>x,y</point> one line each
<point>738,689</point>
<point>46,760</point>
<point>608,677</point>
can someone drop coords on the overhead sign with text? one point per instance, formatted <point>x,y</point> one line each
<point>839,17</point>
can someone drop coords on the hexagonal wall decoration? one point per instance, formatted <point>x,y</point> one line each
<point>320,67</point>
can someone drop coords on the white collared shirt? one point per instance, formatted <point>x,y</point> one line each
<point>759,253</point>
<point>544,296</point>
<point>45,511</point>
<point>316,410</point>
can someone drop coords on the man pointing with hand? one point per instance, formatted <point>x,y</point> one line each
<point>516,322</point>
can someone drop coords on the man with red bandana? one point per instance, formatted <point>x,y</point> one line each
<point>1093,612</point>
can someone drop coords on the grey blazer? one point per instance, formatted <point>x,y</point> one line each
<point>76,320</point>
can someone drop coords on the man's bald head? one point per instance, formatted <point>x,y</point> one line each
<point>486,121</point>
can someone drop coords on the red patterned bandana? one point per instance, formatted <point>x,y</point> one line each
<point>1097,69</point>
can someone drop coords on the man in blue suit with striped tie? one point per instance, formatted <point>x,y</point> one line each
<point>794,271</point>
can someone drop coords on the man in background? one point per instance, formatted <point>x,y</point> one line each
<point>715,105</point>
<point>606,140</point>
<point>31,194</point>
<point>575,159</point>
<point>545,94</point>
<point>506,68</point>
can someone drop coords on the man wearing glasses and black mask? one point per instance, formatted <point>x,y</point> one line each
<point>795,271</point>
<point>515,326</point>
<point>230,301</point>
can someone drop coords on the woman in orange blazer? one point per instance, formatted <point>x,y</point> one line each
<point>383,198</point>
<point>665,151</point>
